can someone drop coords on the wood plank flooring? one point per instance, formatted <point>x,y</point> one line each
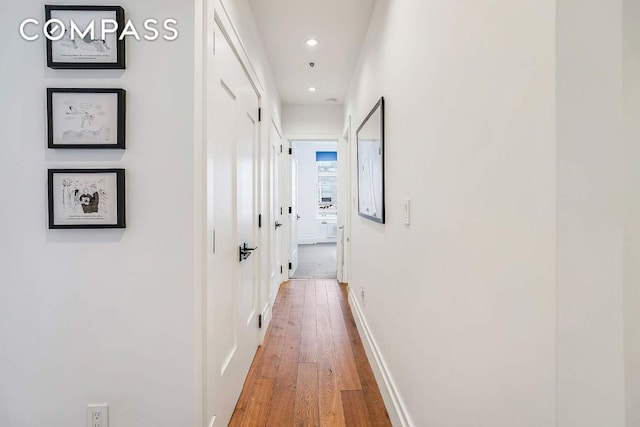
<point>312,369</point>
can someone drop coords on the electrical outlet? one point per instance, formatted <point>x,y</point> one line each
<point>96,419</point>
<point>98,415</point>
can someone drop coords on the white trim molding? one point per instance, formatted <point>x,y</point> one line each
<point>225,21</point>
<point>316,137</point>
<point>396,409</point>
<point>314,240</point>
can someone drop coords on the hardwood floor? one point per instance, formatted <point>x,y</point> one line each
<point>312,369</point>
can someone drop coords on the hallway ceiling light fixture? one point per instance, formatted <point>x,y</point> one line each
<point>332,100</point>
<point>312,42</point>
<point>312,89</point>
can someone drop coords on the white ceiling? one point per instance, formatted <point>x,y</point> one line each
<point>339,26</point>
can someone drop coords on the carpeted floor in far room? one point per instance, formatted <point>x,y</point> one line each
<point>316,261</point>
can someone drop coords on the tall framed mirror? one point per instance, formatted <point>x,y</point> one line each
<point>370,152</point>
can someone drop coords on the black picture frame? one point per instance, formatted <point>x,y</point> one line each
<point>70,210</point>
<point>370,161</point>
<point>101,135</point>
<point>77,62</point>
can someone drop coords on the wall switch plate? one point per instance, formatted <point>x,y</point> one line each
<point>407,211</point>
<point>98,415</point>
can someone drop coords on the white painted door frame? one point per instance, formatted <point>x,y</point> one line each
<point>232,283</point>
<point>284,185</point>
<point>294,216</point>
<point>213,11</point>
<point>285,188</point>
<point>199,208</point>
<point>272,215</point>
<point>344,202</point>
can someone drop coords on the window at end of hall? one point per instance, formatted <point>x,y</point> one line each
<point>327,163</point>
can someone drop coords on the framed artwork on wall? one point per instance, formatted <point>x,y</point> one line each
<point>86,118</point>
<point>80,43</point>
<point>86,198</point>
<point>370,151</point>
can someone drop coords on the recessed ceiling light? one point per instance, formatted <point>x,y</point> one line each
<point>312,42</point>
<point>312,89</point>
<point>332,100</point>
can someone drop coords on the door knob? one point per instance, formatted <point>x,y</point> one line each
<point>298,216</point>
<point>278,225</point>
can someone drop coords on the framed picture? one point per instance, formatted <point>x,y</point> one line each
<point>81,44</point>
<point>86,198</point>
<point>370,149</point>
<point>86,118</point>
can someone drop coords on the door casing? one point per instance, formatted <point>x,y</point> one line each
<point>217,24</point>
<point>286,188</point>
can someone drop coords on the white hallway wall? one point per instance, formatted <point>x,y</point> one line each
<point>312,119</point>
<point>590,220</point>
<point>107,316</point>
<point>484,130</point>
<point>99,315</point>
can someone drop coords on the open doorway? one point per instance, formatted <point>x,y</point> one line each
<point>315,202</point>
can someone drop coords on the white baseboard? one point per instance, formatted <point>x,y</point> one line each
<point>307,240</point>
<point>392,400</point>
<point>312,240</point>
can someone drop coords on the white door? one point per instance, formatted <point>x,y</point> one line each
<point>344,204</point>
<point>231,300</point>
<point>275,224</point>
<point>293,217</point>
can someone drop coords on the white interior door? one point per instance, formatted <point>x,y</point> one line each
<point>344,204</point>
<point>275,224</point>
<point>293,217</point>
<point>231,291</point>
<point>247,198</point>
